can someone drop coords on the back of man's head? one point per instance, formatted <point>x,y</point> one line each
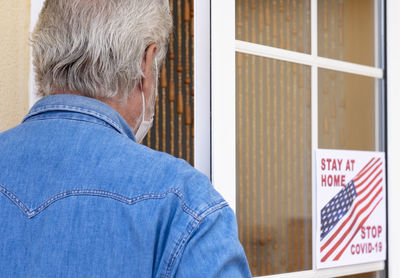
<point>95,47</point>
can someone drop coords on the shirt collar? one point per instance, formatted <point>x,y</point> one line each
<point>83,105</point>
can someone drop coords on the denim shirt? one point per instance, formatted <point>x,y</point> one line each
<point>80,198</point>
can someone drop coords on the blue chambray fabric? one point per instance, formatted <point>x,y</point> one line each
<point>80,198</point>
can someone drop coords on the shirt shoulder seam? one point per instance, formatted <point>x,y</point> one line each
<point>185,237</point>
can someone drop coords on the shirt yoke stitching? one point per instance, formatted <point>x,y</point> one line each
<point>30,213</point>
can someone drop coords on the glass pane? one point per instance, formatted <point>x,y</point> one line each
<point>378,274</point>
<point>278,23</point>
<point>273,104</point>
<point>347,30</point>
<point>172,131</point>
<point>349,112</point>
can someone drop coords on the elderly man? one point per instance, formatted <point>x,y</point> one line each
<point>80,197</point>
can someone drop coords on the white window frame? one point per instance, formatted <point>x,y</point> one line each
<point>202,86</point>
<point>223,48</point>
<point>393,135</point>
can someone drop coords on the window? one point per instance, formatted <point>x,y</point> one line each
<point>308,74</point>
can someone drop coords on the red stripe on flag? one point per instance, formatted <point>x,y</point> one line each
<point>355,233</point>
<point>362,173</point>
<point>349,229</point>
<point>365,167</point>
<point>359,202</point>
<point>361,183</point>
<point>362,191</point>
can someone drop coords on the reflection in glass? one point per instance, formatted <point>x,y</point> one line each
<point>378,274</point>
<point>349,112</point>
<point>274,164</point>
<point>278,23</point>
<point>346,30</point>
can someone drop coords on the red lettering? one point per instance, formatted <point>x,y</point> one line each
<point>323,180</point>
<point>374,232</point>
<point>337,180</point>
<point>371,231</point>
<point>340,164</point>
<point>334,167</point>
<point>361,248</point>
<point>368,231</point>
<point>330,180</point>
<point>329,163</point>
<point>348,165</point>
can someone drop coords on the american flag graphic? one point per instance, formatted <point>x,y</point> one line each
<point>344,215</point>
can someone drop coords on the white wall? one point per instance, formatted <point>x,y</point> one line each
<point>36,6</point>
<point>393,78</point>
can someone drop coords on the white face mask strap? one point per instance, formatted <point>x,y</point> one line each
<point>156,77</point>
<point>143,106</point>
<point>145,126</point>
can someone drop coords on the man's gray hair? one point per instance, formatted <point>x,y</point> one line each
<point>95,48</point>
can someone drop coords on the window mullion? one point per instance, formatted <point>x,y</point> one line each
<point>314,115</point>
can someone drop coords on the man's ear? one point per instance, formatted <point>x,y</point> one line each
<point>147,65</point>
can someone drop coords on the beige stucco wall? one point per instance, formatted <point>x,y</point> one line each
<point>14,61</point>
